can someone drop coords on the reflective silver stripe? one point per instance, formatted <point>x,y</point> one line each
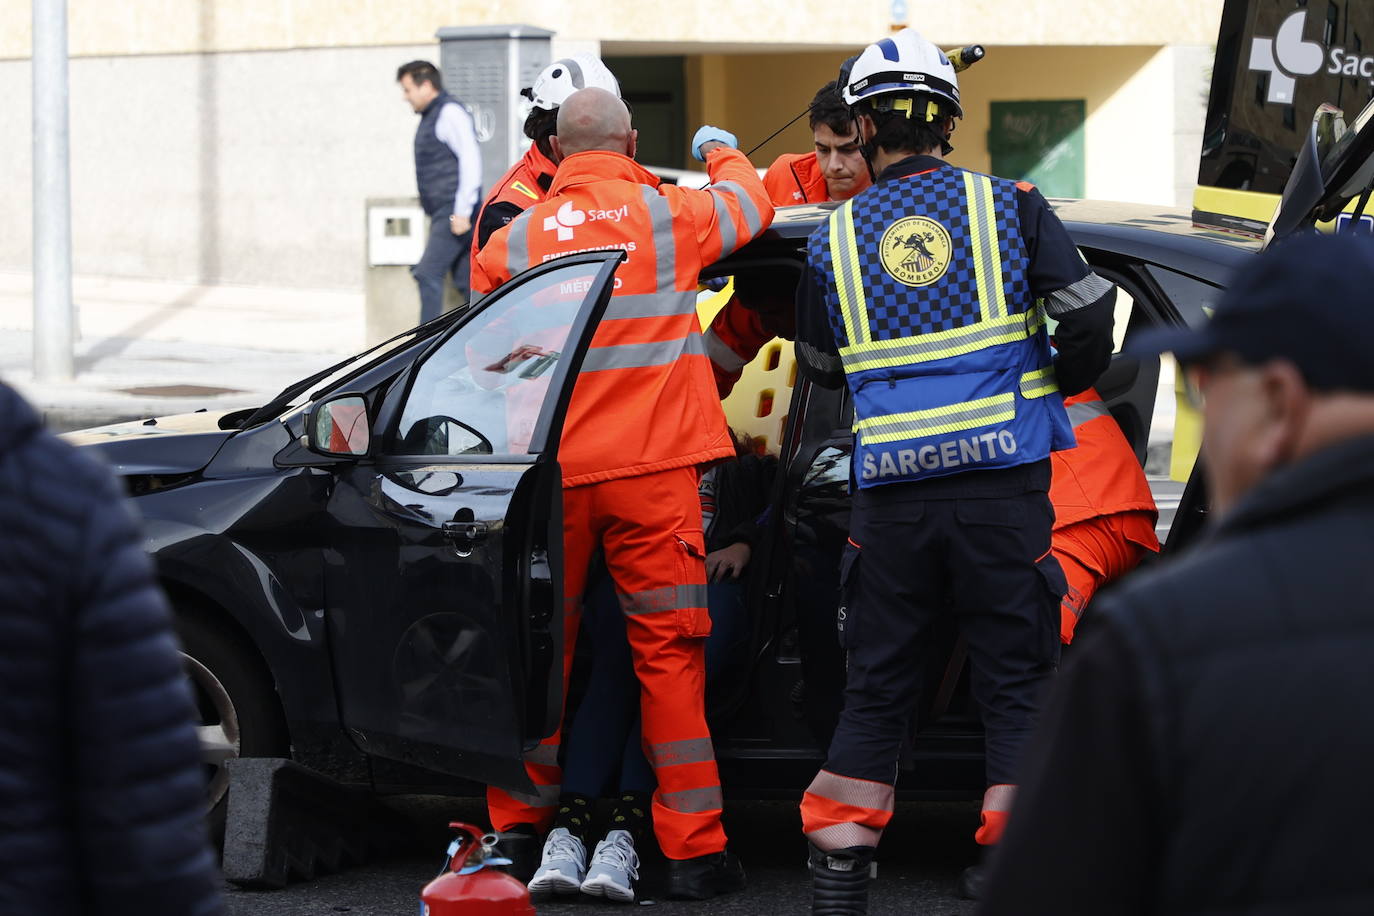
<point>844,256</point>
<point>665,244</point>
<point>676,753</point>
<point>518,244</point>
<point>639,355</point>
<point>999,797</point>
<point>1088,410</point>
<point>753,222</point>
<point>543,797</point>
<point>842,836</point>
<point>929,347</point>
<point>668,598</point>
<point>1077,295</point>
<point>1039,383</point>
<point>938,421</point>
<point>545,755</point>
<point>668,304</point>
<point>861,793</point>
<point>983,235</point>
<point>720,352</point>
<point>692,801</point>
<point>726,222</point>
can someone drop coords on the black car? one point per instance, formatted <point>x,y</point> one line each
<point>366,571</point>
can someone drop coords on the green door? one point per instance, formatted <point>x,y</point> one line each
<point>655,88</point>
<point>1039,142</point>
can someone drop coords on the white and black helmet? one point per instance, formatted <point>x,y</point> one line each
<point>562,78</point>
<point>902,65</point>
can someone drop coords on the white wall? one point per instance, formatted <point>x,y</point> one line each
<point>1152,126</point>
<point>246,168</point>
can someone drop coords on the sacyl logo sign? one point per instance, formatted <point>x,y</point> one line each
<point>565,220</point>
<point>568,218</point>
<point>1287,55</point>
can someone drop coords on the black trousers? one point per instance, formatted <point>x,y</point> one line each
<point>911,559</point>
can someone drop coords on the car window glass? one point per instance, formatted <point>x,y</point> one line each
<point>1193,298</point>
<point>482,391</point>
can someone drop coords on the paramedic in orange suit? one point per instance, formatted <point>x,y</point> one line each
<point>642,421</point>
<point>835,170</point>
<point>1104,513</point>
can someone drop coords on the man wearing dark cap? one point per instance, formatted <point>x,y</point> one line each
<point>1209,748</point>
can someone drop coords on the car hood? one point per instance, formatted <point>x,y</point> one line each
<point>177,444</point>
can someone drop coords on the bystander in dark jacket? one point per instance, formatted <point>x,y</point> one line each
<point>101,783</point>
<point>1208,748</point>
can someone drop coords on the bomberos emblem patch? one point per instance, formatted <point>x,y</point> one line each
<point>916,250</point>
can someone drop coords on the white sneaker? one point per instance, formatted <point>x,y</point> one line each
<point>614,868</point>
<point>564,864</point>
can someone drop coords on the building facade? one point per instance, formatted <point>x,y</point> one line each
<point>235,141</point>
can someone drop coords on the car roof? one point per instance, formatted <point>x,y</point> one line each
<point>1161,235</point>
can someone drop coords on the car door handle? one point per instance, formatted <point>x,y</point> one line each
<point>465,532</point>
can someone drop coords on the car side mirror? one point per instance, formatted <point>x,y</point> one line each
<point>338,427</point>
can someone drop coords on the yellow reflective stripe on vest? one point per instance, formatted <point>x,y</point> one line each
<point>1039,383</point>
<point>844,256</point>
<point>938,421</point>
<point>924,348</point>
<point>982,224</point>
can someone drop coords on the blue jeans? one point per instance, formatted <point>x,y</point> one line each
<point>604,733</point>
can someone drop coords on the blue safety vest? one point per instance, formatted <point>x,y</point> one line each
<point>943,343</point>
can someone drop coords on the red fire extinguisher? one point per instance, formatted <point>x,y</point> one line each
<point>469,886</point>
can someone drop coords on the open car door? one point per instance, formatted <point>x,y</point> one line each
<point>1335,165</point>
<point>444,584</point>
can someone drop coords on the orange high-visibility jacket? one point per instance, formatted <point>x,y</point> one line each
<point>645,400</point>
<point>523,186</point>
<point>796,178</point>
<point>1101,476</point>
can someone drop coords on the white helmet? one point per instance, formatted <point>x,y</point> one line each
<point>902,65</point>
<point>562,78</point>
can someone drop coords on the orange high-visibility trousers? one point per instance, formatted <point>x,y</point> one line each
<point>1096,551</point>
<point>650,529</point>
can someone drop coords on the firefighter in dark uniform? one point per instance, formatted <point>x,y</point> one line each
<point>928,295</point>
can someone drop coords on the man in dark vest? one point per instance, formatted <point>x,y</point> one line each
<point>1208,747</point>
<point>928,294</point>
<point>448,172</point>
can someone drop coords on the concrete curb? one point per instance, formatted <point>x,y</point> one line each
<point>288,823</point>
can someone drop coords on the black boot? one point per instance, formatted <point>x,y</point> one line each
<point>522,845</point>
<point>839,881</point>
<point>974,878</point>
<point>705,876</point>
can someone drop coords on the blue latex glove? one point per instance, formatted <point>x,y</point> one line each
<point>706,134</point>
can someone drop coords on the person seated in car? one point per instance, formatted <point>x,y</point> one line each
<point>603,736</point>
<point>1104,512</point>
<point>763,308</point>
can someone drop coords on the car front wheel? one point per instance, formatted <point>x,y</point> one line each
<point>239,714</point>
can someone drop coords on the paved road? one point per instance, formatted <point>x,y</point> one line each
<point>923,852</point>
